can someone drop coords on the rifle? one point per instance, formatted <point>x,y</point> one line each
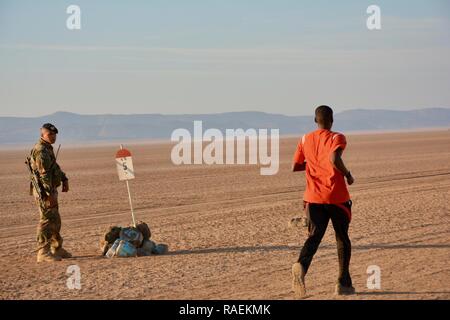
<point>35,182</point>
<point>57,151</point>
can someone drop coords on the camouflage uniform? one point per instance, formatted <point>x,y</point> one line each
<point>51,176</point>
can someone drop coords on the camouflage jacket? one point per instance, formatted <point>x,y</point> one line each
<point>44,160</point>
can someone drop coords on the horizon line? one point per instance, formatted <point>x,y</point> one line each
<point>213,113</point>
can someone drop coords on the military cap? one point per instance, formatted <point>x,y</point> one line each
<point>50,127</point>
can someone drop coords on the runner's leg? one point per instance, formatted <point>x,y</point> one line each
<point>340,221</point>
<point>317,225</point>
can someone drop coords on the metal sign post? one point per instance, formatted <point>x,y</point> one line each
<point>126,172</point>
<point>131,204</point>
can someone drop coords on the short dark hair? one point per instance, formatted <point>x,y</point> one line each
<point>324,114</point>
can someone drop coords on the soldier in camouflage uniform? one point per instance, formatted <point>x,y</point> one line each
<point>51,177</point>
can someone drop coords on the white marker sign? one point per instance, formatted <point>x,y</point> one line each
<point>124,165</point>
<point>126,172</point>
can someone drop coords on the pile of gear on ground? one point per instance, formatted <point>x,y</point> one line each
<point>130,242</point>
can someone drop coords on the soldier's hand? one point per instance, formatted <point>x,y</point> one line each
<point>65,186</point>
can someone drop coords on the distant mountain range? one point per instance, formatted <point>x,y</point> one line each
<point>83,128</point>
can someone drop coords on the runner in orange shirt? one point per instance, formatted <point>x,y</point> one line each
<point>326,197</point>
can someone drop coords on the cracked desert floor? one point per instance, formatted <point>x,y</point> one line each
<point>227,226</point>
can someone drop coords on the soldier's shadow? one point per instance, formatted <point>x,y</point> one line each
<point>85,257</point>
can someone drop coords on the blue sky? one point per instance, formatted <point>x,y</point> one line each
<point>217,56</point>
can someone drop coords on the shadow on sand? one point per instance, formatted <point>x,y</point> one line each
<point>250,249</point>
<point>381,293</point>
<point>289,248</point>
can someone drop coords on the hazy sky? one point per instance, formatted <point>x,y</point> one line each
<point>212,56</point>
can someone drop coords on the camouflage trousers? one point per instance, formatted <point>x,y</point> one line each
<point>49,227</point>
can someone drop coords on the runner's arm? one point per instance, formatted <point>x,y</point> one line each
<point>338,163</point>
<point>298,166</point>
<point>299,163</point>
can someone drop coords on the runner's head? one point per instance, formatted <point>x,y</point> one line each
<point>324,117</point>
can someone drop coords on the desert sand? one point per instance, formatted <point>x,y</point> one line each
<point>227,226</point>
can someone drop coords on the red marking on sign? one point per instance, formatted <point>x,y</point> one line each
<point>123,153</point>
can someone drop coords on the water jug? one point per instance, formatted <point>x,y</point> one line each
<point>112,251</point>
<point>161,248</point>
<point>125,249</point>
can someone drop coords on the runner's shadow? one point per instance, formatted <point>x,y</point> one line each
<point>400,246</point>
<point>234,249</point>
<point>292,248</point>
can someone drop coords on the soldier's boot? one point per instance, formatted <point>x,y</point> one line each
<point>45,255</point>
<point>62,253</point>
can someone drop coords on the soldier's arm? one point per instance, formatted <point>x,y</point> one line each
<point>43,162</point>
<point>62,176</point>
<point>60,173</point>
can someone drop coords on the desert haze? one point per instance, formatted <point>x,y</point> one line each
<point>227,226</point>
<point>137,127</point>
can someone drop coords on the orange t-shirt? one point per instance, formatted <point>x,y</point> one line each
<point>324,183</point>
